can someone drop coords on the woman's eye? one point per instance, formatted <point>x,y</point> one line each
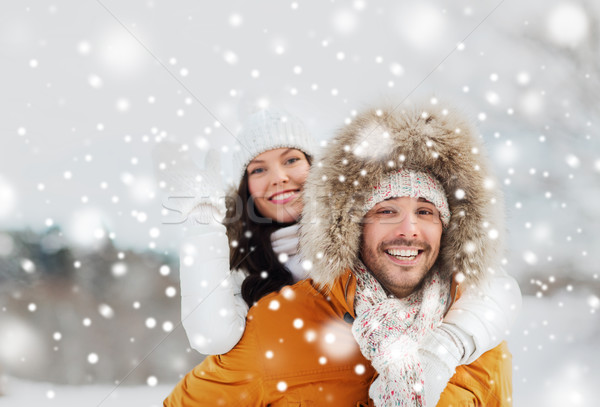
<point>257,171</point>
<point>292,160</point>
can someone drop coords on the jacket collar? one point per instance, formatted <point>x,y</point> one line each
<point>342,293</point>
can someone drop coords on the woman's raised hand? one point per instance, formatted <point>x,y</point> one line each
<point>197,194</point>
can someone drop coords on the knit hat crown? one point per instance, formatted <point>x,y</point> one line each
<point>269,129</point>
<point>413,184</point>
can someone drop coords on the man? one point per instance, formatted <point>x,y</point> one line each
<point>398,205</point>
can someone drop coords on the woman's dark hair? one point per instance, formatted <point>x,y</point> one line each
<point>249,236</point>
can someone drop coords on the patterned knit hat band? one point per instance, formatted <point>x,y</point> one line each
<point>270,129</point>
<point>413,184</point>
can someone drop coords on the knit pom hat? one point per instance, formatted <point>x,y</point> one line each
<point>413,184</point>
<point>269,129</point>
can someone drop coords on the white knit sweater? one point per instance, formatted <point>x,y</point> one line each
<point>213,312</point>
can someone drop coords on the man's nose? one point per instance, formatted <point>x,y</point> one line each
<point>407,225</point>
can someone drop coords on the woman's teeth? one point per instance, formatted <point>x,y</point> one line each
<point>403,254</point>
<point>282,197</point>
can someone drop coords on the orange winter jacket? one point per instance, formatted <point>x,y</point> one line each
<point>298,350</point>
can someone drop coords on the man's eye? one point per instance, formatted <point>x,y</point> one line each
<point>385,211</point>
<point>425,212</point>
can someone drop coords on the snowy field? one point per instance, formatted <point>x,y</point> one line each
<point>22,393</point>
<point>555,350</point>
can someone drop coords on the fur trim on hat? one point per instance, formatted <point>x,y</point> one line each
<point>439,141</point>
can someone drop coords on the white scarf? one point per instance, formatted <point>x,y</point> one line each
<point>389,330</point>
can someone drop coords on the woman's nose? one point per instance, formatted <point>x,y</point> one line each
<point>279,175</point>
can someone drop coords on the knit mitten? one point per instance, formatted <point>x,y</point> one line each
<point>440,353</point>
<point>198,195</point>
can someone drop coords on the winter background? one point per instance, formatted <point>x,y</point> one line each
<point>89,293</point>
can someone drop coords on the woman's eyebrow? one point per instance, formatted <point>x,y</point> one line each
<point>262,161</point>
<point>285,152</point>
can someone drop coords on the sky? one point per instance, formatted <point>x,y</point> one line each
<point>91,88</point>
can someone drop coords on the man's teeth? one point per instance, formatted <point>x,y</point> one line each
<point>284,196</point>
<point>403,254</point>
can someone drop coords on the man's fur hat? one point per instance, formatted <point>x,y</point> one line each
<point>432,139</point>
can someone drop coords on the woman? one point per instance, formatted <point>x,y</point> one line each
<point>225,269</point>
<point>262,234</point>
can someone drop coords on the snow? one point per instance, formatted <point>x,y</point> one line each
<point>26,393</point>
<point>422,24</point>
<point>555,351</point>
<point>344,21</point>
<point>8,197</point>
<point>120,52</point>
<point>567,23</point>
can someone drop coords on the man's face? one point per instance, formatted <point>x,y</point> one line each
<point>401,242</point>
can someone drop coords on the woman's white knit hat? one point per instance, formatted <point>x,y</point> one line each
<point>269,129</point>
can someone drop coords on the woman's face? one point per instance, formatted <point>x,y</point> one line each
<point>275,179</point>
